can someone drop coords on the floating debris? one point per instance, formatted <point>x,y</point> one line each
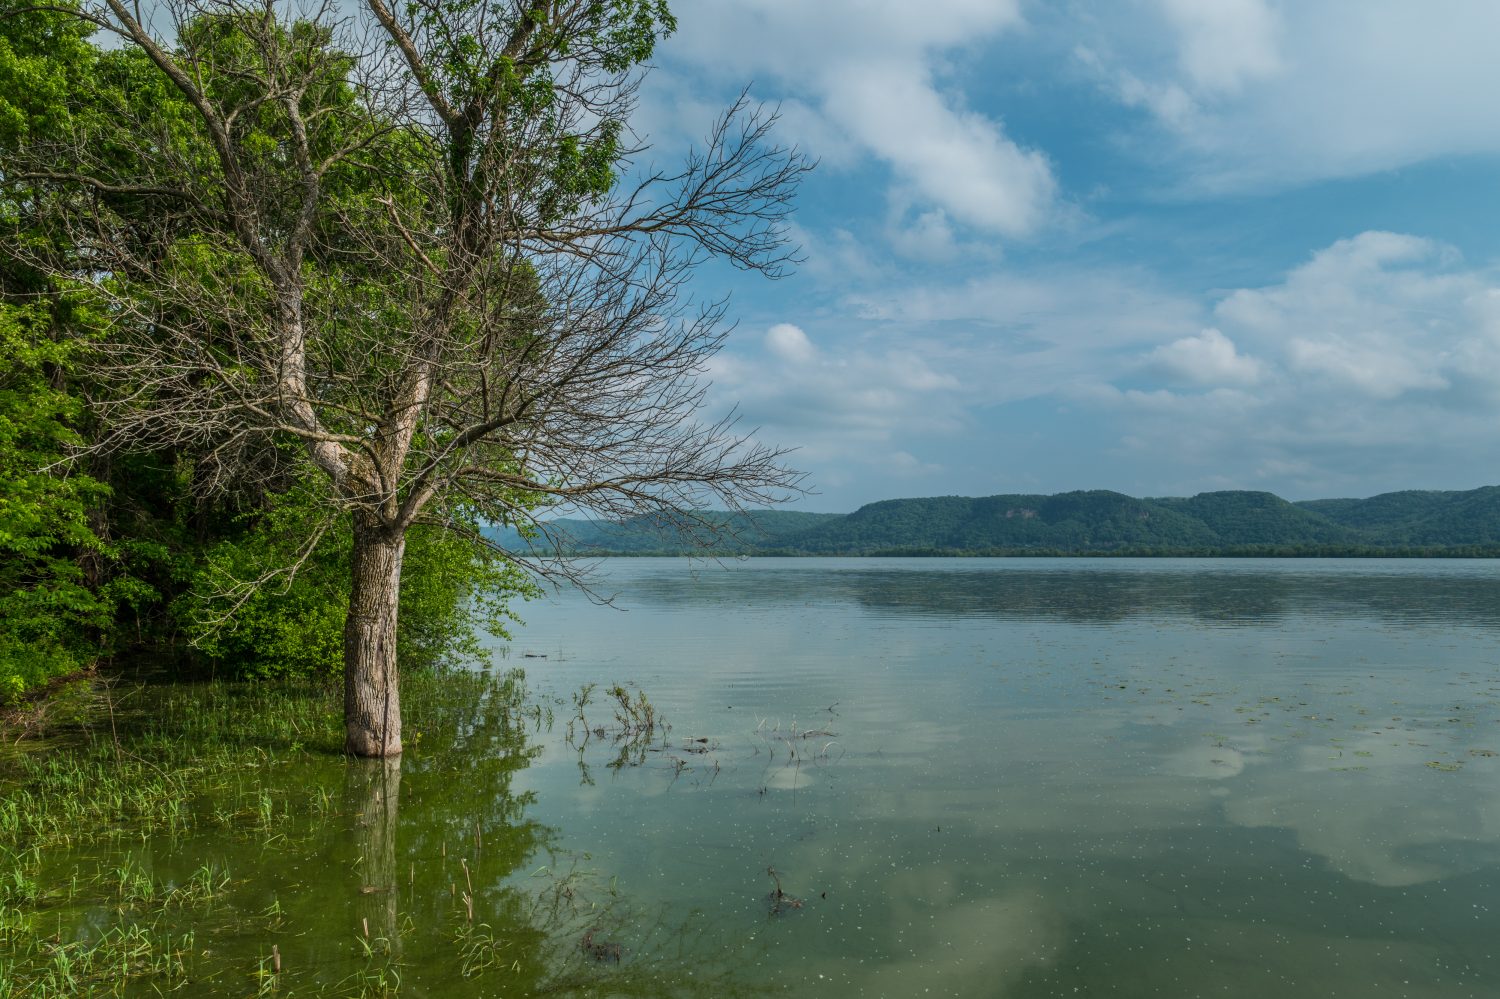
<point>780,900</point>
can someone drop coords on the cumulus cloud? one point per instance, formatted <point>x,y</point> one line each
<point>789,343</point>
<point>1014,335</point>
<point>1381,313</point>
<point>1223,45</point>
<point>1208,358</point>
<point>1372,365</point>
<point>866,410</point>
<point>1258,95</point>
<point>898,385</point>
<point>1376,373</point>
<point>1377,359</point>
<point>866,78</point>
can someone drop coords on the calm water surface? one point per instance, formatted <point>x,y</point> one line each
<point>1014,778</point>
<point>1043,777</point>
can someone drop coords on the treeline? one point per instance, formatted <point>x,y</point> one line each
<point>1412,524</point>
<point>158,550</point>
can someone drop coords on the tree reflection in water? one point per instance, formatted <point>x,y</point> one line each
<point>443,901</point>
<point>373,796</point>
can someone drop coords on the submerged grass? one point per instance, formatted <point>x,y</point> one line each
<point>101,967</point>
<point>139,772</point>
<point>163,761</point>
<point>169,745</point>
<point>211,839</point>
<point>141,940</point>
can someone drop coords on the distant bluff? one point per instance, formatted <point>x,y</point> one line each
<point>1232,522</point>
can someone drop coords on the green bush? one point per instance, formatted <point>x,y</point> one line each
<point>50,618</point>
<point>248,615</point>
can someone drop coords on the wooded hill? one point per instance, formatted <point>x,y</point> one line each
<point>1093,522</point>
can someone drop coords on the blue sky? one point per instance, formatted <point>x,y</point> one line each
<point>1157,246</point>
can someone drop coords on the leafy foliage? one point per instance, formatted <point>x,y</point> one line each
<point>48,611</point>
<point>248,612</point>
<point>126,559</point>
<point>365,290</point>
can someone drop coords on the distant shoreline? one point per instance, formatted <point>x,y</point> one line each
<point>1092,524</point>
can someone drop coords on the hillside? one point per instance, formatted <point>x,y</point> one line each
<point>1258,518</point>
<point>1419,517</point>
<point>1236,522</point>
<point>1068,521</point>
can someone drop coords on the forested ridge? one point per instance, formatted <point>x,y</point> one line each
<point>1236,522</point>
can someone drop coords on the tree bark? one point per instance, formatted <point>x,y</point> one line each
<point>372,698</point>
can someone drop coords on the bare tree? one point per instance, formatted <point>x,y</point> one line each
<point>421,242</point>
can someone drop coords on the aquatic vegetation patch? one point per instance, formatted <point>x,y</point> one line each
<point>215,841</point>
<point>168,746</point>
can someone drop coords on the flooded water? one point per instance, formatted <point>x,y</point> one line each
<point>1048,778</point>
<point>1015,778</point>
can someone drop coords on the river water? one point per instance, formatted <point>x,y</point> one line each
<point>866,777</point>
<point>1042,777</point>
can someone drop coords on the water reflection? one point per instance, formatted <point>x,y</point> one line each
<point>1019,786</point>
<point>1101,591</point>
<point>517,912</point>
<point>425,876</point>
<point>1062,779</point>
<point>372,792</point>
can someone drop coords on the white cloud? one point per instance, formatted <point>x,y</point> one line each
<point>1257,94</point>
<point>928,237</point>
<point>853,410</point>
<point>892,385</point>
<point>1382,314</point>
<point>1011,336</point>
<point>1226,43</point>
<point>1376,360</point>
<point>1207,358</point>
<point>1185,410</point>
<point>789,343</point>
<point>1220,48</point>
<point>1169,102</point>
<point>1381,374</point>
<point>868,74</point>
<point>1373,365</point>
<point>956,159</point>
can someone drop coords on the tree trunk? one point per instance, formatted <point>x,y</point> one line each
<point>372,699</point>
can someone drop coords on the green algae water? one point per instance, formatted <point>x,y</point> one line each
<point>838,777</point>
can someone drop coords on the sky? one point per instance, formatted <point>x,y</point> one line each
<point>1156,246</point>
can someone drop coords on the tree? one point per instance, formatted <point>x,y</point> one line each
<point>418,242</point>
<point>46,606</point>
<point>50,616</point>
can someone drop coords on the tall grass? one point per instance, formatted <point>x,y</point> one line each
<point>168,745</point>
